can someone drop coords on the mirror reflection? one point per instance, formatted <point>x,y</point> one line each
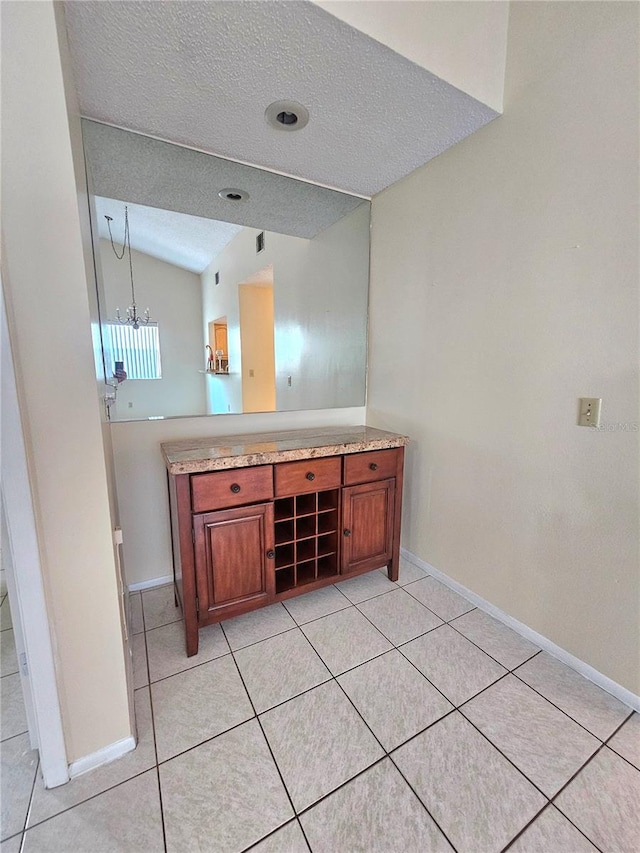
<point>256,284</point>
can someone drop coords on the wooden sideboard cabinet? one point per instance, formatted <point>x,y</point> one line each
<point>250,536</point>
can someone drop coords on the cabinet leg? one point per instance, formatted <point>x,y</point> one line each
<point>393,569</point>
<point>191,636</point>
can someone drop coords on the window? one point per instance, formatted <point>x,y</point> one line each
<point>138,349</point>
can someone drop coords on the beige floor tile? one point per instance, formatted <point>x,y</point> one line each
<point>585,702</point>
<point>478,799</point>
<point>258,625</point>
<point>319,741</point>
<point>399,616</point>
<point>603,801</point>
<point>453,664</point>
<point>19,763</point>
<point>124,819</point>
<point>223,795</point>
<point>8,656</point>
<point>313,605</point>
<point>159,607</point>
<point>503,644</point>
<point>139,653</point>
<point>542,741</point>
<point>408,573</point>
<point>47,803</point>
<point>136,620</point>
<point>13,719</point>
<point>444,602</point>
<point>279,668</point>
<point>552,833</point>
<point>626,742</point>
<point>355,819</point>
<point>289,839</point>
<point>167,654</point>
<point>345,639</point>
<point>365,586</point>
<point>395,701</point>
<point>195,705</point>
<point>5,615</point>
<point>12,845</point>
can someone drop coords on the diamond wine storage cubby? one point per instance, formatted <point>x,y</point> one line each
<point>306,537</point>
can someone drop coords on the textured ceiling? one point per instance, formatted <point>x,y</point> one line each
<point>145,171</point>
<point>190,242</point>
<point>203,73</point>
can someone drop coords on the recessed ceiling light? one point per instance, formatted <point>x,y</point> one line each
<point>287,115</point>
<point>233,194</point>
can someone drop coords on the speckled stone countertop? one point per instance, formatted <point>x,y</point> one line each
<point>215,453</point>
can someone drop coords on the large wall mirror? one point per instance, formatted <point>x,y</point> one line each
<point>256,284</point>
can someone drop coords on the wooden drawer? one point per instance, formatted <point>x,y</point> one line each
<point>221,489</point>
<point>369,466</point>
<point>309,475</point>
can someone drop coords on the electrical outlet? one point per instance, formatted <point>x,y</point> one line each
<point>589,411</point>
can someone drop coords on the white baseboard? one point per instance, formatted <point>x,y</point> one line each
<point>539,640</point>
<point>151,583</point>
<point>102,756</point>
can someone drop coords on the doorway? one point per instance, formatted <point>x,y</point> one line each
<point>257,350</point>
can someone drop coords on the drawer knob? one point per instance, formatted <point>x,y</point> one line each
<point>311,476</point>
<point>271,554</point>
<point>347,532</point>
<point>235,488</point>
<point>374,466</point>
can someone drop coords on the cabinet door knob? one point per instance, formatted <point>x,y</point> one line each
<point>347,532</point>
<point>311,476</point>
<point>271,554</point>
<point>235,488</point>
<point>374,466</point>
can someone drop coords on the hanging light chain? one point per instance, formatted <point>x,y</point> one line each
<point>132,311</point>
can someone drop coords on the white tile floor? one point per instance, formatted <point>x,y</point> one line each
<point>368,716</point>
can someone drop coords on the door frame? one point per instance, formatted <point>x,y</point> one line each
<point>28,603</point>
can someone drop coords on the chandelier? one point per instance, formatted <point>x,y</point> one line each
<point>133,318</point>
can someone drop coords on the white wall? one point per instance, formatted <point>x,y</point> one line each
<point>320,301</point>
<point>142,478</point>
<point>175,301</point>
<point>505,286</point>
<point>45,283</point>
<point>464,43</point>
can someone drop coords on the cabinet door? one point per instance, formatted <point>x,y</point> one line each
<point>234,557</point>
<point>367,518</point>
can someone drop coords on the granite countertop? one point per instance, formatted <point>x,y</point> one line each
<point>216,453</point>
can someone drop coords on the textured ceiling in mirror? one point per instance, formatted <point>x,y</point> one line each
<point>141,170</point>
<point>189,242</point>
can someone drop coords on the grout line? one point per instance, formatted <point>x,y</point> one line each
<point>17,734</point>
<point>203,742</point>
<point>506,757</point>
<point>153,730</point>
<point>558,708</point>
<point>266,740</point>
<point>164,832</point>
<point>270,834</point>
<point>92,797</point>
<point>30,805</point>
<point>549,806</point>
